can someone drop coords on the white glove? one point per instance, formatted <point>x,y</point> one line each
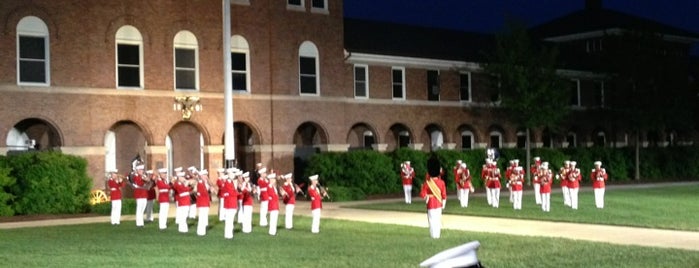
<point>444,203</point>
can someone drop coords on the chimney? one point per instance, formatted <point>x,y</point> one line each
<point>593,4</point>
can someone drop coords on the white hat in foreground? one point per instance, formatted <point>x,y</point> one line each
<point>460,256</point>
<point>313,177</point>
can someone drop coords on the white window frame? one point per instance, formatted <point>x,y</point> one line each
<point>301,7</point>
<point>575,139</point>
<point>31,26</point>
<point>128,35</point>
<point>577,97</point>
<point>470,134</point>
<point>240,2</point>
<point>318,10</point>
<point>366,80</point>
<point>601,83</point>
<point>309,50</point>
<point>402,70</point>
<point>470,99</point>
<point>185,40</point>
<point>240,45</point>
<point>499,135</point>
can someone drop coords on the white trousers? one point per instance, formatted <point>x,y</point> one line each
<point>241,215</point>
<point>517,204</point>
<point>599,197</point>
<point>494,196</point>
<point>221,210</point>
<point>273,218</point>
<point>263,212</point>
<point>566,195</point>
<point>463,197</point>
<point>162,215</point>
<point>140,209</point>
<point>512,194</point>
<point>315,222</point>
<point>116,212</point>
<point>573,197</point>
<point>203,221</point>
<point>434,220</point>
<point>289,217</point>
<point>181,219</point>
<point>546,202</point>
<point>408,192</point>
<point>247,219</point>
<point>149,210</point>
<point>193,211</point>
<point>537,193</point>
<point>489,196</point>
<point>229,215</point>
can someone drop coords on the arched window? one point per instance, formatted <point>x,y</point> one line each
<point>129,57</point>
<point>572,139</point>
<point>309,82</point>
<point>33,52</point>
<point>437,139</point>
<point>403,139</point>
<point>466,140</point>
<point>495,139</point>
<point>521,139</point>
<point>240,64</point>
<point>186,59</point>
<point>368,139</point>
<point>600,139</point>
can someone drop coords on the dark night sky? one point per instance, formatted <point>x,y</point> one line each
<point>489,15</point>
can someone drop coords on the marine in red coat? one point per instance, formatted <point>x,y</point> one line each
<point>407,173</point>
<point>574,178</point>
<point>316,196</point>
<point>435,194</point>
<point>289,196</point>
<point>599,177</point>
<point>114,183</point>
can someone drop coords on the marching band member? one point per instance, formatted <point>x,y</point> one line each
<point>262,183</point>
<point>573,184</point>
<point>115,183</point>
<point>464,185</point>
<point>493,183</point>
<point>151,195</point>
<point>563,175</point>
<point>508,179</point>
<point>220,181</point>
<point>456,170</point>
<point>535,179</point>
<point>289,199</point>
<point>517,183</point>
<point>273,203</point>
<point>546,179</point>
<point>316,203</point>
<point>247,192</point>
<point>163,185</point>
<point>407,173</point>
<point>192,176</point>
<point>238,176</point>
<point>598,177</point>
<point>203,201</point>
<point>435,194</point>
<point>140,193</point>
<point>485,170</point>
<point>230,204</point>
<point>182,189</point>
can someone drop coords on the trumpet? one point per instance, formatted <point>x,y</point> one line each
<point>323,192</point>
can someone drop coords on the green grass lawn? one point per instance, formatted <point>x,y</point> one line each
<point>668,207</point>
<point>340,244</point>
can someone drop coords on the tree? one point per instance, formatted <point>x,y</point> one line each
<point>651,88</point>
<point>530,90</point>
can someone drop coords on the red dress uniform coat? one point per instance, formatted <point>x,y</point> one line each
<point>574,179</point>
<point>517,182</point>
<point>220,183</point>
<point>182,197</point>
<point>494,174</point>
<point>151,192</point>
<point>263,184</point>
<point>139,191</point>
<point>290,197</point>
<point>230,195</point>
<point>316,198</point>
<point>598,177</point>
<point>433,200</point>
<point>467,182</point>
<point>564,176</point>
<point>163,191</point>
<point>203,198</point>
<point>535,171</point>
<point>407,178</point>
<point>247,196</point>
<point>546,181</point>
<point>273,203</point>
<point>457,176</point>
<point>115,189</point>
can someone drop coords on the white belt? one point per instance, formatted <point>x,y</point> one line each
<point>163,191</point>
<point>112,189</point>
<point>263,189</point>
<point>184,194</point>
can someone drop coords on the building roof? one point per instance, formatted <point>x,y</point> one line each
<point>383,38</point>
<point>600,19</point>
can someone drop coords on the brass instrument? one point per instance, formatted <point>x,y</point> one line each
<point>323,191</point>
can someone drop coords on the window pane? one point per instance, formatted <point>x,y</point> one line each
<point>466,142</point>
<point>308,84</point>
<point>184,58</point>
<point>397,76</point>
<point>307,65</point>
<point>128,54</point>
<point>494,141</point>
<point>238,61</point>
<point>32,71</point>
<point>574,93</point>
<point>398,91</point>
<point>239,82</point>
<point>32,48</point>
<point>295,2</point>
<point>360,89</point>
<point>359,73</point>
<point>185,79</point>
<point>129,77</point>
<point>318,3</point>
<point>464,93</point>
<point>432,85</point>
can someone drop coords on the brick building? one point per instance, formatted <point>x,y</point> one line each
<point>99,79</point>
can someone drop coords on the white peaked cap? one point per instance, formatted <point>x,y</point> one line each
<point>140,167</point>
<point>272,175</point>
<point>162,170</point>
<point>459,256</point>
<point>246,174</point>
<point>407,162</point>
<point>237,172</point>
<point>224,176</point>
<point>177,169</point>
<point>220,170</point>
<point>204,172</point>
<point>598,163</point>
<point>180,174</point>
<point>150,171</point>
<point>573,163</point>
<point>516,160</point>
<point>459,161</point>
<point>114,170</point>
<point>545,164</point>
<point>313,177</point>
<point>192,169</point>
<point>463,165</point>
<point>287,176</point>
<point>566,162</point>
<point>518,168</point>
<point>231,170</point>
<point>262,170</point>
<point>536,158</point>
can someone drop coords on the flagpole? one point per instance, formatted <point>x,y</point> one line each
<point>229,142</point>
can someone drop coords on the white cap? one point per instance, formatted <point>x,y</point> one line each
<point>220,170</point>
<point>598,163</point>
<point>237,172</point>
<point>545,165</point>
<point>140,167</point>
<point>180,174</point>
<point>262,170</point>
<point>272,176</point>
<point>246,174</point>
<point>162,170</point>
<point>515,161</point>
<point>287,176</point>
<point>192,169</point>
<point>460,256</point>
<point>463,165</point>
<point>518,168</point>
<point>407,163</point>
<point>114,170</point>
<point>177,169</point>
<point>204,172</point>
<point>459,161</point>
<point>224,176</point>
<point>573,163</point>
<point>567,162</point>
<point>313,177</point>
<point>150,171</point>
<point>536,158</point>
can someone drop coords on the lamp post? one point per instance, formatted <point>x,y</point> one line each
<point>228,142</point>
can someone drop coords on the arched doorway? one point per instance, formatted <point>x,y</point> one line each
<point>185,146</point>
<point>361,137</point>
<point>399,137</point>
<point>123,142</point>
<point>33,134</point>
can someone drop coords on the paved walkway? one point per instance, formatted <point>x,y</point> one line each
<point>590,232</point>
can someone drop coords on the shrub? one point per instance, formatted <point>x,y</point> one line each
<point>6,183</point>
<point>341,193</point>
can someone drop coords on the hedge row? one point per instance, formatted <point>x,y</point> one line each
<point>356,174</point>
<point>43,183</point>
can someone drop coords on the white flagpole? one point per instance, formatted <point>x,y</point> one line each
<point>229,142</point>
